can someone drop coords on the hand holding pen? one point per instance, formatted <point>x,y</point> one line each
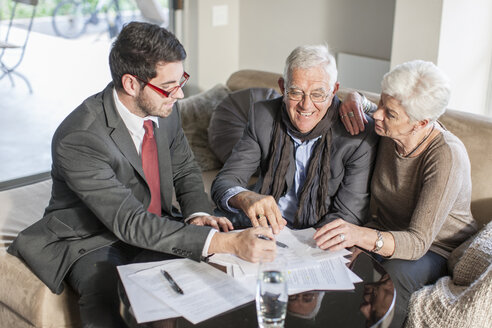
<point>278,243</point>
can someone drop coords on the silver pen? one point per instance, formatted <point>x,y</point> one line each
<point>171,281</point>
<point>279,244</point>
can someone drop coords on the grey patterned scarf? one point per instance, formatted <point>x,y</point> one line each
<point>315,188</point>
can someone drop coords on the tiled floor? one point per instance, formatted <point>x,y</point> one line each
<point>62,74</point>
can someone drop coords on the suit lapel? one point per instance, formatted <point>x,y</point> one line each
<point>120,134</point>
<point>165,165</point>
<point>123,140</point>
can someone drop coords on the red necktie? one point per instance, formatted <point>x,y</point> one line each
<point>150,165</point>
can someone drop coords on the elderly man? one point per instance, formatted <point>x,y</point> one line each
<point>312,170</point>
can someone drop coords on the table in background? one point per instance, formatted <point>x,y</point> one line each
<point>370,304</point>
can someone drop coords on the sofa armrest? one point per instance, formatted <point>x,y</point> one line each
<point>23,293</point>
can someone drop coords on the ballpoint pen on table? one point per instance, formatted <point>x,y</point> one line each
<point>279,244</point>
<point>173,283</point>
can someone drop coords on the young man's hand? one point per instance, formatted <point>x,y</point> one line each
<point>246,244</point>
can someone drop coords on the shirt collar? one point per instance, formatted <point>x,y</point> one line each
<point>299,142</point>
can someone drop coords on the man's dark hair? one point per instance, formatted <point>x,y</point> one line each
<point>139,47</point>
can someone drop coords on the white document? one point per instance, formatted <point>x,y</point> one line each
<point>330,274</point>
<point>207,291</point>
<point>146,307</point>
<point>308,267</point>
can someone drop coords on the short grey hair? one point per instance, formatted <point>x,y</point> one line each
<point>309,56</point>
<point>421,88</point>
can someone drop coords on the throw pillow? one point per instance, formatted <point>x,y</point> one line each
<point>476,259</point>
<point>195,117</point>
<point>458,252</point>
<point>231,116</point>
<point>445,304</point>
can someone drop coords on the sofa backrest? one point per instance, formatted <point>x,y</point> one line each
<point>475,131</point>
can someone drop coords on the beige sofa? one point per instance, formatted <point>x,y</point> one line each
<point>26,302</point>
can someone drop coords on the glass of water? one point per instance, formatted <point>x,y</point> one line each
<point>271,294</point>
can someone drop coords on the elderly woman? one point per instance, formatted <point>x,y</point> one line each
<point>421,185</point>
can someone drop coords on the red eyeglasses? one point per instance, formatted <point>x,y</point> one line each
<point>167,93</point>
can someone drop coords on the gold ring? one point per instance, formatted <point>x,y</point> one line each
<point>260,216</point>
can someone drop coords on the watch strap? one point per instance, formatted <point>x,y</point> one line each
<point>379,242</point>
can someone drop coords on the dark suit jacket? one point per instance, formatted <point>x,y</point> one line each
<point>100,195</point>
<point>351,163</point>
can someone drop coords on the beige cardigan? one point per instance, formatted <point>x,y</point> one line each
<point>424,201</point>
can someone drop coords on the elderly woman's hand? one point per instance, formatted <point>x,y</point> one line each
<point>338,234</point>
<point>352,113</point>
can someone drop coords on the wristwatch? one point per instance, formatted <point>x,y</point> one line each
<point>379,242</point>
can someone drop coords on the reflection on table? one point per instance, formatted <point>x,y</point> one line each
<point>370,304</point>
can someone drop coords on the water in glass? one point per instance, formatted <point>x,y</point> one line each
<point>271,298</point>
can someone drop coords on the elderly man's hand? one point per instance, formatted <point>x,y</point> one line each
<point>352,113</point>
<point>246,244</point>
<point>260,209</point>
<point>219,223</point>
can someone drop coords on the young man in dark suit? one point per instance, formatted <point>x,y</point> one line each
<point>116,159</point>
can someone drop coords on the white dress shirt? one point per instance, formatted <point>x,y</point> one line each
<point>134,124</point>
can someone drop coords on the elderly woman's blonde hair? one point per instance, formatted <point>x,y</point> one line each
<point>420,87</point>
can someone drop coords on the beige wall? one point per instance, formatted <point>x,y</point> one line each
<point>213,50</point>
<point>457,36</point>
<point>454,34</point>
<point>416,31</point>
<point>261,33</point>
<point>466,52</point>
<point>270,29</point>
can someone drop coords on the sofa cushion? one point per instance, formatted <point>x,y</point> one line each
<point>476,258</point>
<point>24,294</point>
<point>195,115</point>
<point>21,207</point>
<point>231,116</point>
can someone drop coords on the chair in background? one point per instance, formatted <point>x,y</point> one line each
<point>6,46</point>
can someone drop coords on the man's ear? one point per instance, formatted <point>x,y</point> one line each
<point>281,84</point>
<point>335,88</point>
<point>130,85</point>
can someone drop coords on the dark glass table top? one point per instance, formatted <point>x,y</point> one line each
<point>370,304</point>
